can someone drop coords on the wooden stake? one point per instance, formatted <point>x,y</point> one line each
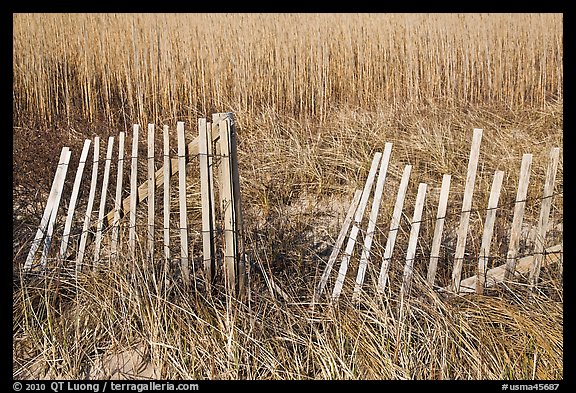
<point>133,193</point>
<point>166,182</point>
<point>151,193</point>
<point>206,197</point>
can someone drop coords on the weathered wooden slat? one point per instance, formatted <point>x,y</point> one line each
<point>104,194</point>
<point>151,193</point>
<point>394,227</point>
<point>227,203</point>
<point>466,206</point>
<point>166,182</point>
<point>206,200</point>
<point>74,198</point>
<point>88,214</point>
<point>52,219</point>
<point>364,257</point>
<point>192,149</point>
<point>238,217</point>
<point>117,199</point>
<point>544,216</point>
<point>496,275</point>
<point>337,245</point>
<point>182,198</point>
<point>519,207</point>
<point>46,215</point>
<point>349,250</point>
<point>488,230</point>
<point>133,192</point>
<point>413,240</point>
<point>437,239</point>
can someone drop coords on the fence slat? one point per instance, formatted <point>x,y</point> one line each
<point>206,199</point>
<point>182,199</point>
<point>74,198</point>
<point>192,149</point>
<point>227,203</point>
<point>544,216</point>
<point>337,245</point>
<point>437,239</point>
<point>394,227</point>
<point>364,257</point>
<point>488,231</point>
<point>466,206</point>
<point>47,212</point>
<point>519,207</point>
<point>103,195</point>
<point>87,216</point>
<point>166,182</point>
<point>355,227</point>
<point>133,192</point>
<point>117,199</point>
<point>151,193</point>
<point>413,240</point>
<point>52,220</point>
<point>238,218</point>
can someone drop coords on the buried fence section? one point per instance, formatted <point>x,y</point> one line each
<point>485,276</point>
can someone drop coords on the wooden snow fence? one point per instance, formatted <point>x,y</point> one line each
<point>215,148</point>
<point>356,225</point>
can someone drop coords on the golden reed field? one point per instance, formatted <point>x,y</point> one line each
<point>314,96</point>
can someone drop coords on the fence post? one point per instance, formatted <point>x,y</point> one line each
<point>466,206</point>
<point>166,173</point>
<point>207,200</point>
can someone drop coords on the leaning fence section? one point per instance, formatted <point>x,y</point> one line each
<point>213,149</point>
<point>357,225</point>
